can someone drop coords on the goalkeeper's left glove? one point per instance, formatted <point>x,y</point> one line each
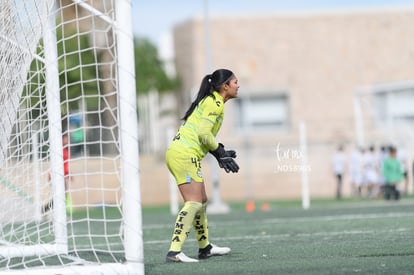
<point>225,159</point>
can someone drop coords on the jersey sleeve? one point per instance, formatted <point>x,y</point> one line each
<point>212,110</point>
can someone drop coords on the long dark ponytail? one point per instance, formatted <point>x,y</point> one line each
<point>210,83</point>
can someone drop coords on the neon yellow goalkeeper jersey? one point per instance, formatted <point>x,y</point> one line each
<point>198,133</point>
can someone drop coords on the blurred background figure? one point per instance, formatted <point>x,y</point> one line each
<point>338,163</point>
<point>356,171</point>
<point>67,177</point>
<point>393,175</point>
<point>382,156</point>
<point>402,158</point>
<point>371,179</point>
<point>76,137</point>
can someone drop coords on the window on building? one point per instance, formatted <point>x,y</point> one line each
<point>395,105</point>
<point>263,112</point>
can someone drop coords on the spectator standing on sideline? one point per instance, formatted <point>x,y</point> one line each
<point>370,171</point>
<point>383,155</point>
<point>393,175</point>
<point>338,164</point>
<point>356,171</point>
<point>67,177</point>
<point>402,158</point>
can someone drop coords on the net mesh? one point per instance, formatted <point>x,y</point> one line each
<point>86,59</point>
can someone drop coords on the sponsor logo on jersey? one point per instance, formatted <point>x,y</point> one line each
<point>199,174</point>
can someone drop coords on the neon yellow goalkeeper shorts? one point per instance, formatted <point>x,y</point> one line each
<point>183,166</point>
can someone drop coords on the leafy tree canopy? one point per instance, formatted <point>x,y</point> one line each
<point>149,70</point>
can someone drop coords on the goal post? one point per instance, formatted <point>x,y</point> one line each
<point>134,250</point>
<point>69,163</point>
<point>55,132</point>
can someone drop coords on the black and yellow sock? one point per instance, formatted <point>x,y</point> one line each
<point>183,224</point>
<point>201,227</point>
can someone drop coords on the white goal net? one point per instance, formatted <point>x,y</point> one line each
<point>69,183</point>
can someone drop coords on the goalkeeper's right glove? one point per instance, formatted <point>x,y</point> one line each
<point>225,159</point>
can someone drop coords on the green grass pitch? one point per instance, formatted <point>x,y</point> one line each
<point>346,237</point>
<point>332,237</point>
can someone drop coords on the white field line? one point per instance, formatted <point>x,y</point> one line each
<point>262,236</point>
<point>300,220</point>
<point>303,219</point>
<point>343,217</point>
<point>296,235</point>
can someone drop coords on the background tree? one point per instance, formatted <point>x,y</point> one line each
<point>149,69</point>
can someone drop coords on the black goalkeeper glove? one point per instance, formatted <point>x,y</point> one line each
<point>225,159</point>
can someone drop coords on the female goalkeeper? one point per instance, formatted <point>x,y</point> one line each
<point>195,138</point>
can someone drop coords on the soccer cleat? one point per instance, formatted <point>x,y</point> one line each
<point>178,257</point>
<point>212,250</point>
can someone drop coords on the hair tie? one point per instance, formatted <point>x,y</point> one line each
<point>209,76</point>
